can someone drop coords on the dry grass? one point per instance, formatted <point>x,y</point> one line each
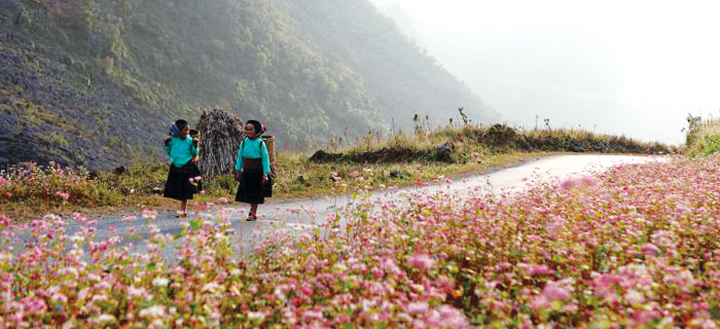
<point>475,149</point>
<point>703,136</point>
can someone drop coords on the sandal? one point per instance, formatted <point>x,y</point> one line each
<point>251,218</point>
<point>181,215</point>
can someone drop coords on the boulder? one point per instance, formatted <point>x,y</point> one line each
<point>322,156</point>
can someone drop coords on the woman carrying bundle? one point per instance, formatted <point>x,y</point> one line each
<point>252,169</point>
<point>184,175</point>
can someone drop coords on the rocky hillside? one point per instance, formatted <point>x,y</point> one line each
<point>96,82</point>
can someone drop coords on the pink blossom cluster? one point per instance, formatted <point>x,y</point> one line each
<point>54,184</point>
<point>62,195</point>
<point>637,250</point>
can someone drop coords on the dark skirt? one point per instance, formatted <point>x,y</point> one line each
<point>251,189</point>
<point>178,184</point>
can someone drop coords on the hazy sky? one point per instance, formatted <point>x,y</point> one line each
<point>622,67</point>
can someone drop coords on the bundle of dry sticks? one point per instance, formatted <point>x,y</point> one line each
<point>221,132</point>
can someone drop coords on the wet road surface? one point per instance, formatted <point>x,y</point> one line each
<point>297,217</point>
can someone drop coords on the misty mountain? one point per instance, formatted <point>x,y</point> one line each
<point>529,75</point>
<point>97,82</point>
<point>568,80</point>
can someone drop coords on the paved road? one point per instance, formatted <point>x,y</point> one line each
<point>300,216</point>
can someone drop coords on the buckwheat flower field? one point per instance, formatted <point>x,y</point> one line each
<point>635,246</point>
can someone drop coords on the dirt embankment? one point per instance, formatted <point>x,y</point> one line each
<point>498,138</point>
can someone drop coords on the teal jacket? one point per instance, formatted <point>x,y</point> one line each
<point>180,150</point>
<point>253,149</point>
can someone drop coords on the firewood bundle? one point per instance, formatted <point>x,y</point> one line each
<point>221,132</point>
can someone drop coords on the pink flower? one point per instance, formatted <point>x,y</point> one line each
<point>5,220</point>
<point>79,217</point>
<point>540,302</point>
<point>540,270</point>
<point>423,262</point>
<point>567,184</point>
<point>576,182</point>
<point>62,195</point>
<point>447,316</point>
<point>534,238</point>
<point>570,308</point>
<point>312,315</point>
<point>59,297</point>
<point>149,214</point>
<point>335,177</point>
<point>223,200</point>
<point>554,227</point>
<point>4,181</point>
<point>553,291</point>
<point>649,249</point>
<point>417,307</point>
<point>129,219</point>
<point>390,268</point>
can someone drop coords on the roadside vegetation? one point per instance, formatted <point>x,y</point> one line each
<point>702,137</point>
<point>30,191</point>
<point>632,247</point>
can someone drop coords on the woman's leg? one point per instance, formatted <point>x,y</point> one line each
<point>183,207</point>
<point>253,210</point>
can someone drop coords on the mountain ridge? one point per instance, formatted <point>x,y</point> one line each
<point>95,82</point>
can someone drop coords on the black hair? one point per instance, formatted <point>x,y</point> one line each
<point>256,124</point>
<point>181,124</point>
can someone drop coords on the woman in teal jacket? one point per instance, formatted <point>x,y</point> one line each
<point>252,169</point>
<point>182,152</point>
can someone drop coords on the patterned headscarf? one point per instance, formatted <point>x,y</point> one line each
<point>174,131</point>
<point>176,127</point>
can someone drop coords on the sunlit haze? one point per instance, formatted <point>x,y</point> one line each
<point>633,68</point>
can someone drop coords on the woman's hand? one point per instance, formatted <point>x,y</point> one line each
<point>237,175</point>
<point>265,179</point>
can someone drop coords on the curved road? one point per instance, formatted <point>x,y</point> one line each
<point>295,217</point>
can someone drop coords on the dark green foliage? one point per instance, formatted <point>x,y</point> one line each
<point>104,78</point>
<point>405,80</point>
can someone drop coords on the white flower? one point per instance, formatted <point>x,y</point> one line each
<point>156,324</point>
<point>211,287</point>
<point>256,315</point>
<point>160,282</point>
<point>634,297</point>
<point>136,292</point>
<point>99,298</point>
<point>69,270</point>
<point>106,318</point>
<point>153,312</point>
